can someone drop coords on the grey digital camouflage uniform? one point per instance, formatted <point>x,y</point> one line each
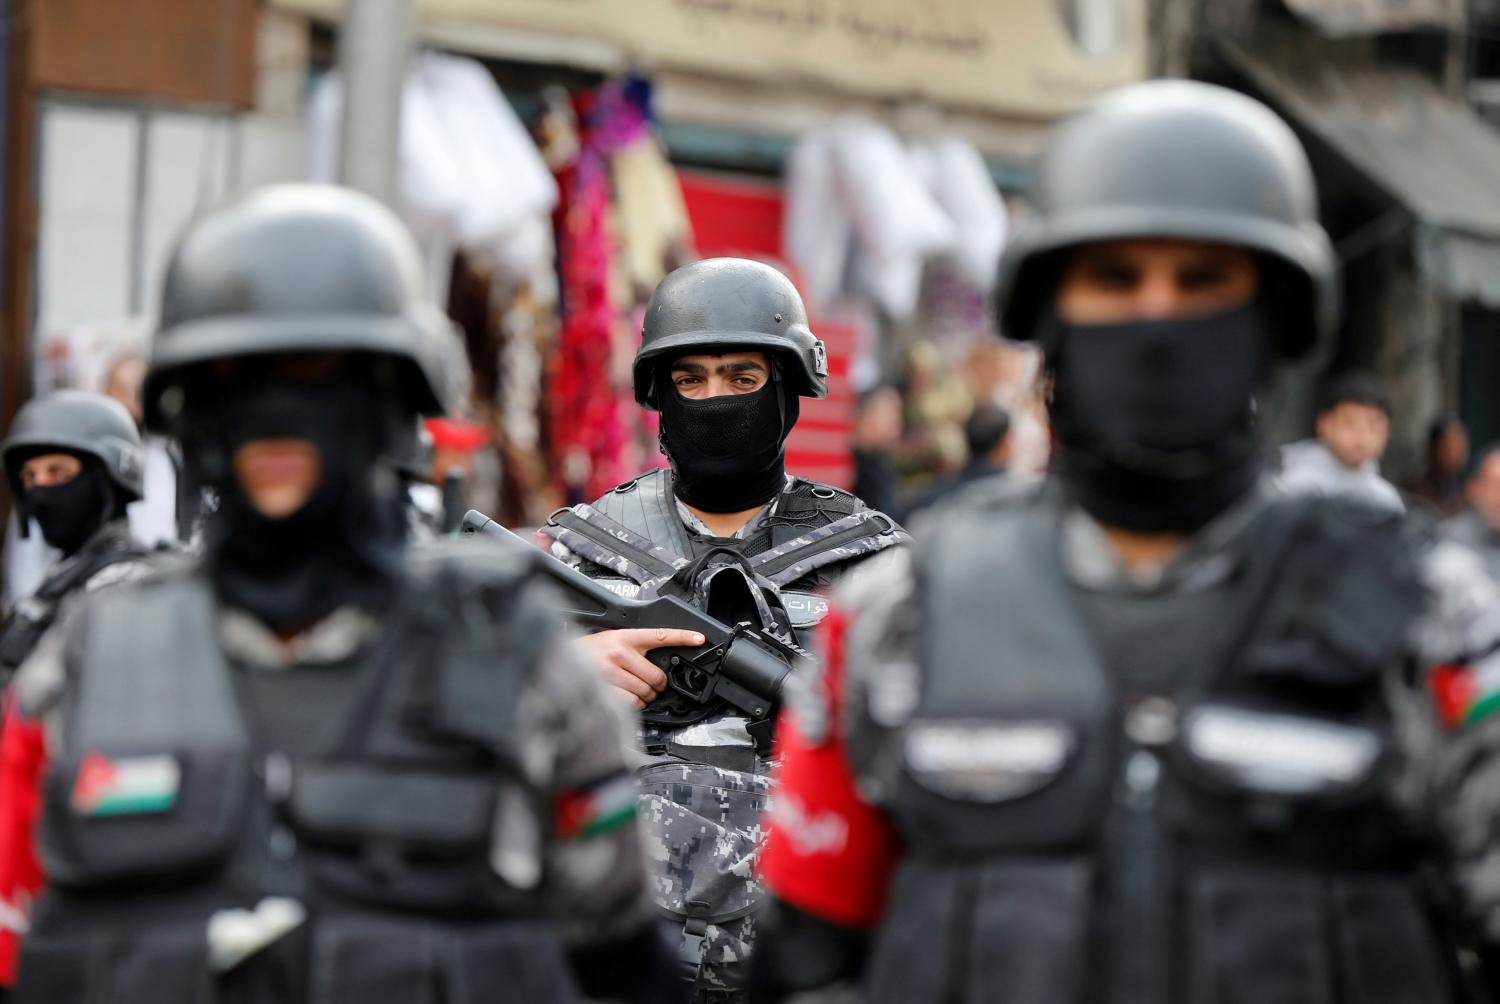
<point>704,786</point>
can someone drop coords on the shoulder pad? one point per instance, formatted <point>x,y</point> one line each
<point>640,504</point>
<point>506,584</point>
<point>626,487</point>
<point>828,493</point>
<point>1338,510</point>
<point>802,497</point>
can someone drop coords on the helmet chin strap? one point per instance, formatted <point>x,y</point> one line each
<point>781,396</point>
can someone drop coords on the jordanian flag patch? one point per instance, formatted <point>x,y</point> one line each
<point>1465,693</point>
<point>126,786</point>
<point>603,807</point>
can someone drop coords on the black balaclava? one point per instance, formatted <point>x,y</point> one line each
<point>343,546</point>
<point>72,512</point>
<point>728,453</point>
<point>1154,419</point>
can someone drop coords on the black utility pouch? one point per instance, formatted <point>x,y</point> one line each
<point>121,818</point>
<point>398,839</point>
<point>390,960</point>
<point>1255,934</point>
<point>1020,927</point>
<point>1386,948</point>
<point>149,965</point>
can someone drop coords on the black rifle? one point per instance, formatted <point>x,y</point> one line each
<point>741,665</point>
<point>453,498</point>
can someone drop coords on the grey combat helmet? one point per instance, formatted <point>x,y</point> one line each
<point>723,303</point>
<point>75,421</point>
<point>296,268</point>
<point>1172,158</point>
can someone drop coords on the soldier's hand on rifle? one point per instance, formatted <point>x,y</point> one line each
<point>621,657</point>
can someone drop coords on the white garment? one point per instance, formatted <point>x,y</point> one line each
<point>897,221</point>
<point>506,181</point>
<point>153,520</point>
<point>27,560</point>
<point>865,211</point>
<point>816,229</point>
<point>1308,468</point>
<point>956,175</point>
<point>426,182</point>
<point>470,175</point>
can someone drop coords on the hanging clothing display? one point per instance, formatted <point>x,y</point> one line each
<point>471,176</point>
<point>866,212</point>
<point>584,425</point>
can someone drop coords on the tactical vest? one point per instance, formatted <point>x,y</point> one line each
<point>165,814</point>
<point>636,534</point>
<point>703,804</point>
<point>1070,839</point>
<point>33,615</point>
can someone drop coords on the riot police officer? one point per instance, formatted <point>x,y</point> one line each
<point>1147,732</point>
<point>73,461</point>
<point>320,765</point>
<point>725,356</point>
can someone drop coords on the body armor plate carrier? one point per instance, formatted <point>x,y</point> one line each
<point>1070,839</point>
<point>164,808</point>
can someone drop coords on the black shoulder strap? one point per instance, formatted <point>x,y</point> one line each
<point>616,540</point>
<point>816,525</point>
<point>648,505</point>
<point>82,567</point>
<point>853,536</point>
